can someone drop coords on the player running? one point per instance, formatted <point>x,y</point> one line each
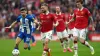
<point>61,29</point>
<point>33,28</point>
<point>46,21</point>
<point>81,16</point>
<point>70,25</point>
<point>25,30</point>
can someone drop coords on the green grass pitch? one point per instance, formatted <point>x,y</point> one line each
<point>6,47</point>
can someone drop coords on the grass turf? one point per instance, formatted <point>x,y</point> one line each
<point>6,47</point>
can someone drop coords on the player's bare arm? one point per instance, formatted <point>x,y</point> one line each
<point>12,25</point>
<point>93,26</point>
<point>67,22</point>
<point>56,24</point>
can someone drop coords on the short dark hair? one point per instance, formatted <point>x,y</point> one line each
<point>81,1</point>
<point>23,9</point>
<point>44,4</point>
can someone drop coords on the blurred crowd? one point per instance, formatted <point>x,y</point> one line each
<point>9,10</point>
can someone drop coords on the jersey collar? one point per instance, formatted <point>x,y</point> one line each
<point>47,12</point>
<point>72,14</point>
<point>80,9</point>
<point>59,13</point>
<point>25,16</point>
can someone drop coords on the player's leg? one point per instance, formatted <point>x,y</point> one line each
<point>71,37</point>
<point>84,42</point>
<point>27,41</point>
<point>66,40</point>
<point>33,41</point>
<point>18,40</point>
<point>75,36</point>
<point>59,34</point>
<point>46,39</point>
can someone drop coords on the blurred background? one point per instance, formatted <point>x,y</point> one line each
<point>9,10</point>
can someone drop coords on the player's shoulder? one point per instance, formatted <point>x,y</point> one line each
<point>62,13</point>
<point>51,14</point>
<point>68,14</point>
<point>85,8</point>
<point>29,16</point>
<point>19,16</point>
<point>41,14</point>
<point>34,15</point>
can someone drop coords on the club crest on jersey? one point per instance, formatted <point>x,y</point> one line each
<point>26,20</point>
<point>62,16</point>
<point>48,16</point>
<point>82,12</point>
<point>55,16</point>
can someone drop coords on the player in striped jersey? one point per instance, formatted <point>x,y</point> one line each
<point>25,28</point>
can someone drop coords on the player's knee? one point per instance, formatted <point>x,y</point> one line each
<point>65,38</point>
<point>18,40</point>
<point>61,40</point>
<point>46,41</point>
<point>69,36</point>
<point>75,39</point>
<point>82,41</point>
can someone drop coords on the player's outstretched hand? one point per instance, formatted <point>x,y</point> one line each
<point>38,28</point>
<point>8,27</point>
<point>93,28</point>
<point>54,25</point>
<point>67,23</point>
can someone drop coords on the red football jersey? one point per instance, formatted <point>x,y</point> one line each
<point>46,22</point>
<point>81,18</point>
<point>71,24</point>
<point>61,19</point>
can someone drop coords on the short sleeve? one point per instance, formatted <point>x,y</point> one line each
<point>18,19</point>
<point>31,18</point>
<point>88,12</point>
<point>64,17</point>
<point>74,16</point>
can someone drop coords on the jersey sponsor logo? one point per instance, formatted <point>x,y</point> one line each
<point>79,16</point>
<point>41,17</point>
<point>60,19</point>
<point>61,16</point>
<point>55,16</point>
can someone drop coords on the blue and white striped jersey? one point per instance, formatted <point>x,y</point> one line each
<point>26,23</point>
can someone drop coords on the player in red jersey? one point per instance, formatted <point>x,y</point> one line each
<point>81,16</point>
<point>46,20</point>
<point>70,25</point>
<point>61,29</point>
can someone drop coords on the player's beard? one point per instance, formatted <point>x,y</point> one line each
<point>24,15</point>
<point>57,12</point>
<point>44,11</point>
